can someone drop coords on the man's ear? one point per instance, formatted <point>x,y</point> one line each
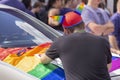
<point>67,31</point>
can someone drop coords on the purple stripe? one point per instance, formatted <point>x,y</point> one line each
<point>115,64</point>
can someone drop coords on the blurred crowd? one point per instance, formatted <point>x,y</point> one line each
<point>97,17</point>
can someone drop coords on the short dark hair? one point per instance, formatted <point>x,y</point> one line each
<point>80,26</point>
<point>27,3</point>
<point>50,4</point>
<point>36,4</point>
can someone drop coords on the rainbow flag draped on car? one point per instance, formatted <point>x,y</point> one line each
<point>31,64</point>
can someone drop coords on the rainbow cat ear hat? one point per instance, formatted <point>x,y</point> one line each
<point>70,19</point>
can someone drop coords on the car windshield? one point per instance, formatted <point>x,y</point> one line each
<point>15,32</point>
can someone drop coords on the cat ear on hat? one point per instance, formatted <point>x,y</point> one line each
<point>80,8</point>
<point>60,19</point>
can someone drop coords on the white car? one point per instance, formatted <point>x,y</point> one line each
<point>19,29</point>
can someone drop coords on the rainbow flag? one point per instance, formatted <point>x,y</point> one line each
<point>31,64</point>
<point>58,18</point>
<point>115,63</point>
<point>48,72</point>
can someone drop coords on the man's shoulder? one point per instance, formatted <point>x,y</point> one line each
<point>87,14</point>
<point>85,10</point>
<point>78,34</point>
<point>82,37</point>
<point>88,9</point>
<point>95,37</point>
<point>84,34</point>
<point>115,16</point>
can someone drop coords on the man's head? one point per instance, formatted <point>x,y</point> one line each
<point>37,6</point>
<point>76,28</point>
<point>72,22</point>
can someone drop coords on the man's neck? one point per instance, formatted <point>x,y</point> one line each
<point>80,31</point>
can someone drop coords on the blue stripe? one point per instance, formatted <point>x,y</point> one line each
<point>57,74</point>
<point>114,58</point>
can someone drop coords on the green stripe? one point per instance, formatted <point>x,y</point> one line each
<point>40,71</point>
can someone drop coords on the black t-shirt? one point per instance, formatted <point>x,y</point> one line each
<point>84,56</point>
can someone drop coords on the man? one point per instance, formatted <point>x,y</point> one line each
<point>36,9</point>
<point>27,3</point>
<point>67,7</point>
<point>114,38</point>
<point>84,56</point>
<point>54,9</point>
<point>96,20</point>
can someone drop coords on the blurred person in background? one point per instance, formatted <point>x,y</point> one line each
<point>114,38</point>
<point>54,7</point>
<point>85,1</point>
<point>60,8</point>
<point>36,8</point>
<point>16,4</point>
<point>75,3</point>
<point>43,3</point>
<point>67,7</point>
<point>27,4</point>
<point>96,20</point>
<point>43,14</point>
<point>103,5</point>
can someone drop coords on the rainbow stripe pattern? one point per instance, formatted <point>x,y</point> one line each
<point>80,8</point>
<point>115,63</point>
<point>58,18</point>
<point>48,72</point>
<point>31,64</point>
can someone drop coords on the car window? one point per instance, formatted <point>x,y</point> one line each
<point>16,32</point>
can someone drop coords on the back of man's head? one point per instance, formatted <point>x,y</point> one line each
<point>73,21</point>
<point>37,4</point>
